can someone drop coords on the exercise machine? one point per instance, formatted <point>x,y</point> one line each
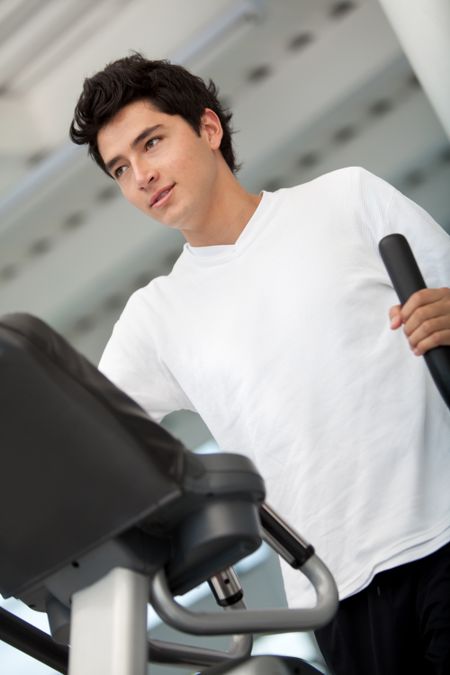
<point>117,513</point>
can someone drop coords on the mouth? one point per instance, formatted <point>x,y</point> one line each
<point>161,197</point>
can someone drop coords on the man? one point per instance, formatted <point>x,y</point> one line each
<point>272,327</point>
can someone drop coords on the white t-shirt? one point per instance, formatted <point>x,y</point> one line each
<point>281,342</point>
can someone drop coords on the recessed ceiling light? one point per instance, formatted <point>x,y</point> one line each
<point>37,157</point>
<point>413,81</point>
<point>74,220</point>
<point>40,246</point>
<point>380,107</point>
<point>308,160</point>
<point>84,324</point>
<point>445,155</point>
<point>259,73</point>
<point>273,184</point>
<point>345,134</point>
<point>340,9</point>
<point>415,178</point>
<point>107,193</point>
<point>114,302</point>
<point>142,279</point>
<point>300,41</point>
<point>8,272</point>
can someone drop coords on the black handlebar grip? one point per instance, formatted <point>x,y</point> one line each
<point>401,265</point>
<point>407,279</point>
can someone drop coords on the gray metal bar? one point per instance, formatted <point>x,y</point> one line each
<point>185,655</point>
<point>108,633</point>
<point>251,621</point>
<point>199,657</point>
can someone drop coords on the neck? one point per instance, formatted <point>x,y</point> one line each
<point>228,214</point>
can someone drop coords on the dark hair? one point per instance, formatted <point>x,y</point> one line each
<point>171,88</point>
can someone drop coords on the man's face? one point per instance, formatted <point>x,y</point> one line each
<point>162,166</point>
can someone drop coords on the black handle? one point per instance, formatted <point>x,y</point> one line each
<point>407,279</point>
<point>33,642</point>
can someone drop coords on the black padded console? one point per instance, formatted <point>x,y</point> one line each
<point>87,476</point>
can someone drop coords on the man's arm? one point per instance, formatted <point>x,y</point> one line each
<point>425,316</point>
<point>131,361</point>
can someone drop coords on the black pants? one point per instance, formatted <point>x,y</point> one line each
<point>398,625</point>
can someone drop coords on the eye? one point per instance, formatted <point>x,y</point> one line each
<point>152,142</point>
<point>119,171</point>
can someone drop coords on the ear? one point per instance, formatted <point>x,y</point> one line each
<point>211,128</point>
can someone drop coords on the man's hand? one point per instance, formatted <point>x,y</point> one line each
<point>425,318</point>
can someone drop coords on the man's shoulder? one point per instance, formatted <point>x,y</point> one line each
<point>147,300</point>
<point>348,175</point>
<point>336,184</point>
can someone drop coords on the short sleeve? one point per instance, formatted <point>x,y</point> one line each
<point>385,210</point>
<point>131,361</point>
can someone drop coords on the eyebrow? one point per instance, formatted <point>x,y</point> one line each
<point>140,137</point>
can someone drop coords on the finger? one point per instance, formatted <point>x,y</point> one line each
<point>436,339</point>
<point>425,317</point>
<point>425,296</point>
<point>395,317</point>
<point>425,329</point>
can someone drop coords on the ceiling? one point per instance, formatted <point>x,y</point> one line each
<point>314,85</point>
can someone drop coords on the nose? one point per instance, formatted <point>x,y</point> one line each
<point>144,173</point>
